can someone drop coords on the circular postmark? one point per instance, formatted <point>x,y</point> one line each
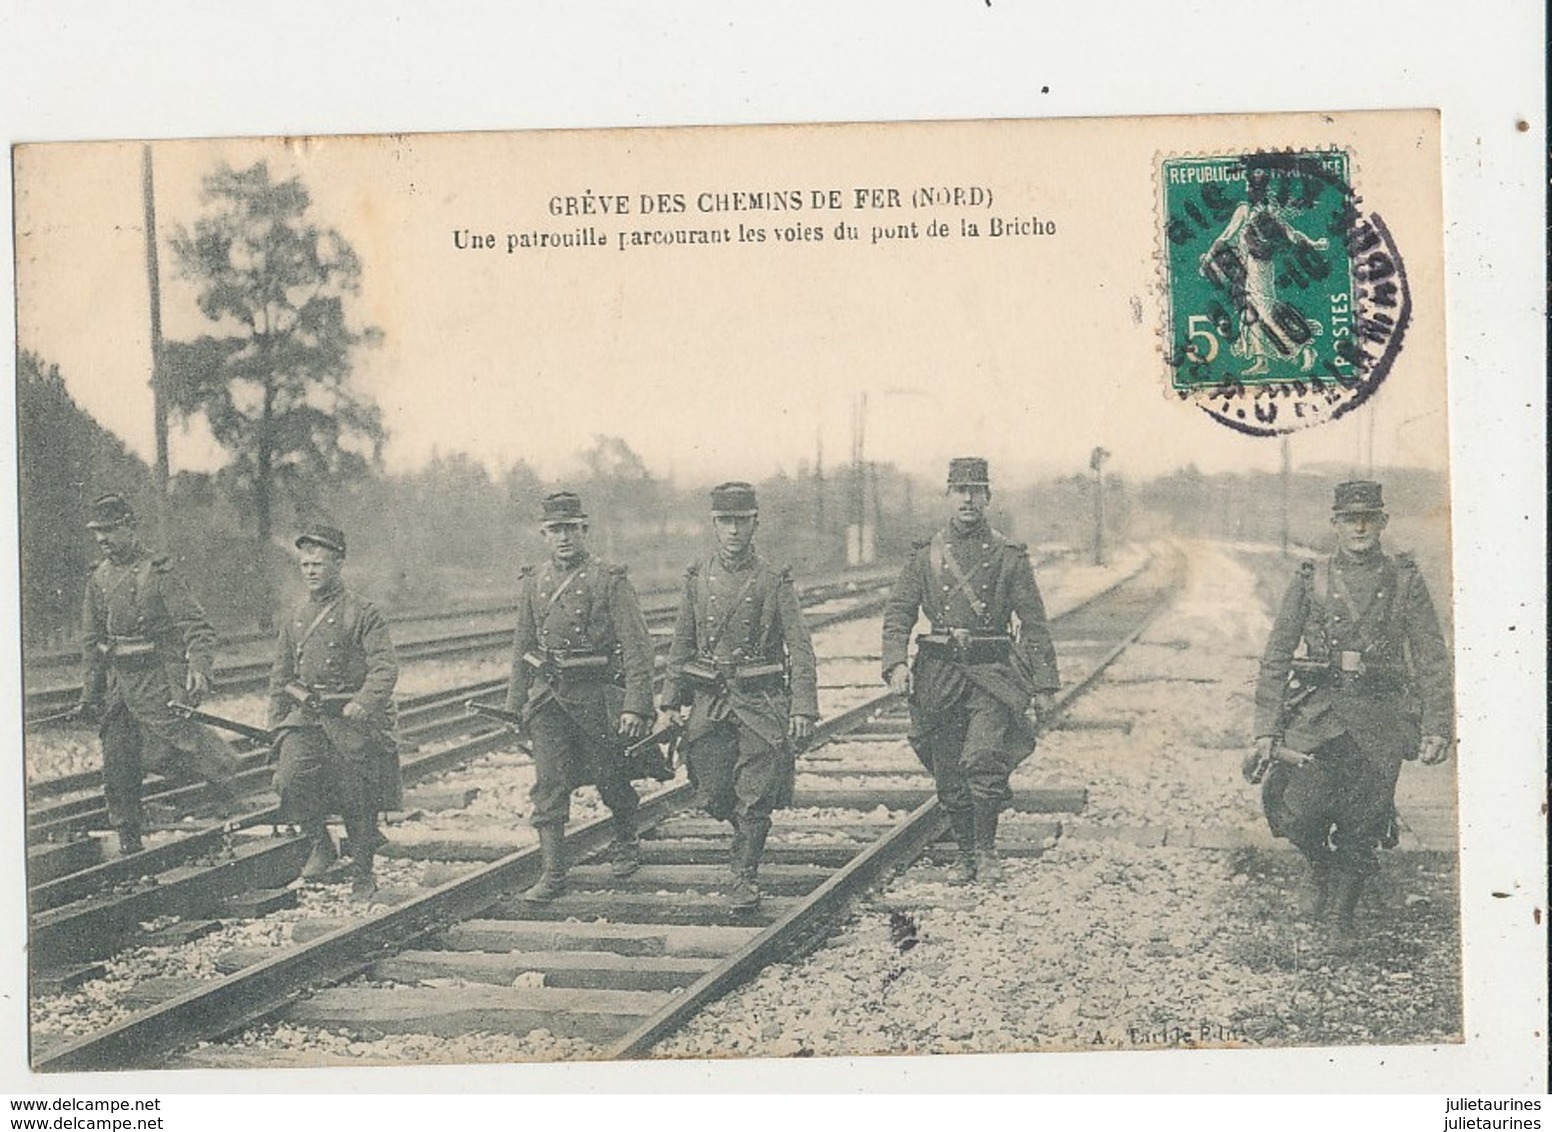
<point>1285,304</point>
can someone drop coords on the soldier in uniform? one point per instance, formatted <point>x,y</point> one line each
<point>1370,689</point>
<point>982,669</point>
<point>582,681</point>
<point>742,666</point>
<point>146,642</point>
<point>331,700</point>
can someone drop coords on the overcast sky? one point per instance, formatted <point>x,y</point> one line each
<point>736,360</point>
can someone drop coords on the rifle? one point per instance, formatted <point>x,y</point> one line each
<point>511,719</point>
<point>246,730</point>
<point>1304,680</point>
<point>653,756</point>
<point>67,716</point>
<point>316,700</point>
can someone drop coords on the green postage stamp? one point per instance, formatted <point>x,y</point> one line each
<point>1282,303</point>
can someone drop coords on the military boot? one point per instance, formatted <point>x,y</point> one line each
<point>1317,899</point>
<point>962,871</point>
<point>323,855</point>
<point>1347,891</point>
<point>745,896</point>
<point>988,869</point>
<point>625,852</point>
<point>363,885</point>
<point>552,880</point>
<point>129,842</point>
<point>736,849</point>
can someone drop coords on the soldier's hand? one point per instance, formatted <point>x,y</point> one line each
<point>1293,758</point>
<point>900,680</point>
<point>632,726</point>
<point>801,729</point>
<point>1042,704</point>
<point>1433,750</point>
<point>353,710</point>
<point>1253,769</point>
<point>196,686</point>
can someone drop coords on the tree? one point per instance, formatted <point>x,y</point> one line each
<point>275,385</point>
<point>65,459</point>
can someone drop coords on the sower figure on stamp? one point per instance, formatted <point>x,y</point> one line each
<point>742,665</point>
<point>146,642</point>
<point>986,664</point>
<point>1370,688</point>
<point>582,681</point>
<point>331,699</point>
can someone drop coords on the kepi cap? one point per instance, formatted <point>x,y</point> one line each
<point>733,499</point>
<point>109,511</point>
<point>561,508</point>
<point>321,534</point>
<point>968,471</point>
<point>1358,497</point>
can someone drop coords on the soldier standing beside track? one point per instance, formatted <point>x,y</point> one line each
<point>582,680</point>
<point>985,663</point>
<point>145,643</point>
<point>331,699</point>
<point>1371,690</point>
<point>743,666</point>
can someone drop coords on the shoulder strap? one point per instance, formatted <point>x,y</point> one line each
<point>560,588</point>
<point>728,613</point>
<point>318,620</point>
<point>966,586</point>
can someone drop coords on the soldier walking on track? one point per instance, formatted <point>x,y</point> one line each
<point>146,642</point>
<point>331,699</point>
<point>581,680</point>
<point>1371,689</point>
<point>984,665</point>
<point>742,665</point>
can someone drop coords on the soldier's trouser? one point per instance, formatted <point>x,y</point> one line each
<point>566,757</point>
<point>738,775</point>
<point>967,748</point>
<point>1335,808</point>
<point>314,780</point>
<point>177,749</point>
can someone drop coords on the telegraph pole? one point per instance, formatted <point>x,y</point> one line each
<point>1287,475</point>
<point>1097,464</point>
<point>158,401</point>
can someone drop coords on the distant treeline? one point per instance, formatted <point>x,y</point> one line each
<point>454,534</point>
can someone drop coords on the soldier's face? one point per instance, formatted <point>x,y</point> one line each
<point>1359,534</point>
<point>735,532</point>
<point>320,567</point>
<point>967,503</point>
<point>567,540</point>
<point>115,542</point>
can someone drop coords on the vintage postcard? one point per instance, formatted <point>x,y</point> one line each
<point>923,588</point>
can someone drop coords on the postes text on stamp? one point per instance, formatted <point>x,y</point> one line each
<point>1284,304</point>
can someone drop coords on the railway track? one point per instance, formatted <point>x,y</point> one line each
<point>75,895</point>
<point>658,607</point>
<point>617,964</point>
<point>60,807</point>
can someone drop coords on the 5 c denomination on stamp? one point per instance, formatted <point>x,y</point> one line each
<point>1284,304</point>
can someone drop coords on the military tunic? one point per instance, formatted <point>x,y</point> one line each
<point>967,710</point>
<point>142,633</point>
<point>737,619</point>
<point>1375,678</point>
<point>568,620</point>
<point>335,643</point>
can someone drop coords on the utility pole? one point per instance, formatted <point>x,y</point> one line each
<point>158,401</point>
<point>1287,475</point>
<point>1097,464</point>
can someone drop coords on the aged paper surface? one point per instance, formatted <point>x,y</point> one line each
<point>723,300</point>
